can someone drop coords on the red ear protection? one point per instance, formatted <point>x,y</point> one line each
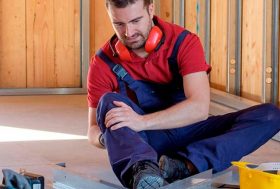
<point>153,41</point>
<point>122,51</point>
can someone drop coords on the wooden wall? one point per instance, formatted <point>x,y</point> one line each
<point>256,43</point>
<point>39,43</point>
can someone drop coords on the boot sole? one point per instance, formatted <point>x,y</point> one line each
<point>150,182</point>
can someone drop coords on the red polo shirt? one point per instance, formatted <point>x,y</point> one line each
<point>153,68</point>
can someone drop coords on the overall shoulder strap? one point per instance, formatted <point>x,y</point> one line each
<point>178,42</point>
<point>122,76</point>
<point>118,70</point>
<point>172,60</point>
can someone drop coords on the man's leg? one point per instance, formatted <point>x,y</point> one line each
<point>216,142</point>
<point>128,149</point>
<point>251,129</point>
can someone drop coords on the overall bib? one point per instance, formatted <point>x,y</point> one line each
<point>212,143</point>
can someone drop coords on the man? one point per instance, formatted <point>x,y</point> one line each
<point>148,96</point>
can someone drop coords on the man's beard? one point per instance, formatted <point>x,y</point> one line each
<point>140,43</point>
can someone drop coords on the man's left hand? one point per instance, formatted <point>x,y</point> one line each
<point>124,116</point>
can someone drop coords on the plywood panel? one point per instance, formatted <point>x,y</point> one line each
<point>201,30</point>
<point>176,12</point>
<point>157,7</point>
<point>252,49</point>
<point>166,10</point>
<point>219,44</point>
<point>53,43</point>
<point>191,15</point>
<point>195,18</point>
<point>40,43</point>
<point>12,44</point>
<point>103,28</point>
<point>67,43</point>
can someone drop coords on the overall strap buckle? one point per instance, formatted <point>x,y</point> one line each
<point>119,71</point>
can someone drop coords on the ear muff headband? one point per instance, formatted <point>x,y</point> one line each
<point>152,43</point>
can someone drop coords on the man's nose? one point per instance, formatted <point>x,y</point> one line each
<point>128,30</point>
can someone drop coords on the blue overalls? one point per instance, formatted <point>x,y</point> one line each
<point>212,143</point>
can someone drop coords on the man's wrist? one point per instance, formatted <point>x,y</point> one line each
<point>101,140</point>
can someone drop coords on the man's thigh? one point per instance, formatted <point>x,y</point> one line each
<point>172,140</point>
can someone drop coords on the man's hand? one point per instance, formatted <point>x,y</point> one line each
<point>124,116</point>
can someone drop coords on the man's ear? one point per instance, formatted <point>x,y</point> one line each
<point>151,10</point>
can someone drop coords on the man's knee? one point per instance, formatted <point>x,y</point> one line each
<point>106,101</point>
<point>105,104</point>
<point>272,112</point>
<point>271,116</point>
<point>109,97</point>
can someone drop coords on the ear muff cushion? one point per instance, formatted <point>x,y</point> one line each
<point>122,51</point>
<point>153,40</point>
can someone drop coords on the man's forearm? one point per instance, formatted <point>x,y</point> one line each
<point>179,115</point>
<point>94,136</point>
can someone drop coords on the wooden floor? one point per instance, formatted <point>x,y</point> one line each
<point>37,132</point>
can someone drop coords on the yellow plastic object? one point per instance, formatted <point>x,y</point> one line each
<point>256,179</point>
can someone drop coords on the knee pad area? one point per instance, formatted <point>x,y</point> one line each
<point>272,111</point>
<point>109,97</point>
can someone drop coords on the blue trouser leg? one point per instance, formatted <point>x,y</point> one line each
<point>124,146</point>
<point>212,143</point>
<point>248,130</point>
<point>217,141</point>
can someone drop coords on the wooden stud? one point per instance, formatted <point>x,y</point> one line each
<point>275,51</point>
<point>218,60</point>
<point>278,55</point>
<point>252,49</point>
<point>232,36</point>
<point>268,54</point>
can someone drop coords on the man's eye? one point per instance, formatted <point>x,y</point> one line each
<point>135,21</point>
<point>118,24</point>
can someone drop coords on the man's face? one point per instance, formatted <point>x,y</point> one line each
<point>132,24</point>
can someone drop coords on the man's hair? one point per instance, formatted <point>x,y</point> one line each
<point>124,3</point>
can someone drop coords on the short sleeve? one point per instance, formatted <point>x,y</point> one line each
<point>191,57</point>
<point>99,81</point>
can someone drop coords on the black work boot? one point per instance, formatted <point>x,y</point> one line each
<point>173,169</point>
<point>146,175</point>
